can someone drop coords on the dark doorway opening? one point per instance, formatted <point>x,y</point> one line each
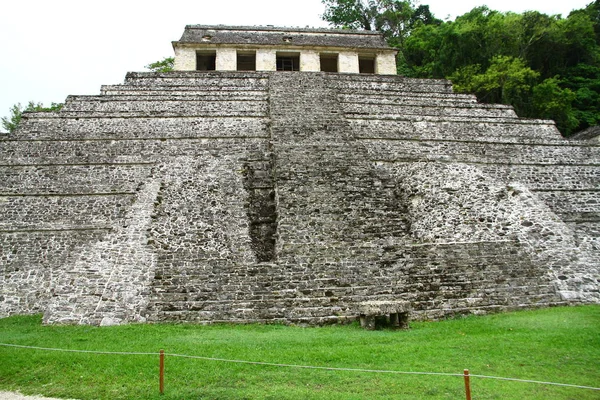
<point>246,61</point>
<point>206,61</point>
<point>366,64</point>
<point>329,62</point>
<point>288,61</point>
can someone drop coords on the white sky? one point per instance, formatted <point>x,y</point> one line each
<point>52,48</point>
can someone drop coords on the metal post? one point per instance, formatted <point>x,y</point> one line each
<point>161,372</point>
<point>467,385</point>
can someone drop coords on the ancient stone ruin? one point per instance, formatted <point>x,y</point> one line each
<point>236,190</point>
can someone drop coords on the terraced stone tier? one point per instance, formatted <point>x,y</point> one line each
<point>397,97</point>
<point>120,152</point>
<point>170,90</point>
<point>176,107</point>
<point>217,80</point>
<point>548,177</point>
<point>481,152</point>
<point>71,179</point>
<point>388,83</point>
<point>458,129</point>
<point>463,110</point>
<point>48,127</point>
<point>61,211</point>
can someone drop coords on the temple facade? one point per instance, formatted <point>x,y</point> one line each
<point>243,48</point>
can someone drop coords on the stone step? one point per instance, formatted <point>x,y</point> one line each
<point>388,83</point>
<point>41,126</point>
<point>572,202</point>
<point>450,129</point>
<point>146,152</point>
<point>183,91</point>
<point>580,217</point>
<point>161,96</point>
<point>546,177</point>
<point>71,179</point>
<point>391,96</point>
<point>402,110</point>
<point>141,108</point>
<point>408,99</point>
<point>199,79</point>
<point>62,211</point>
<point>394,87</point>
<point>487,153</point>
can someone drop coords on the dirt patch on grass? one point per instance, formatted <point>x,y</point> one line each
<point>19,396</point>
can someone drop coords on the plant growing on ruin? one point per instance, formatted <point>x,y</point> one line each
<point>164,65</point>
<point>16,113</point>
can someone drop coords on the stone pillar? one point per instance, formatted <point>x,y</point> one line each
<point>226,59</point>
<point>185,59</point>
<point>266,60</point>
<point>367,322</point>
<point>348,62</point>
<point>310,61</point>
<point>385,64</point>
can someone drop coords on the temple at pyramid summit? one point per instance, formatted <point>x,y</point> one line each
<point>290,175</point>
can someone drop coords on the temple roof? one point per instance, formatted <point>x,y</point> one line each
<point>277,36</point>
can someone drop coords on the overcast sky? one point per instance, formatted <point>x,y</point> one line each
<point>52,48</point>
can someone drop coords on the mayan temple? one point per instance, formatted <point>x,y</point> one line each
<point>289,175</point>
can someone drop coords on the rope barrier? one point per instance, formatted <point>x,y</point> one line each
<point>312,367</point>
<point>531,381</point>
<point>120,353</point>
<point>299,366</point>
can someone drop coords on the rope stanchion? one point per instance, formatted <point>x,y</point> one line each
<point>161,372</point>
<point>467,385</point>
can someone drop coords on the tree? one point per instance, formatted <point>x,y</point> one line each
<point>552,101</point>
<point>165,65</point>
<point>423,15</point>
<point>394,18</point>
<point>350,14</point>
<point>16,113</point>
<point>507,80</point>
<point>545,66</point>
<point>584,81</point>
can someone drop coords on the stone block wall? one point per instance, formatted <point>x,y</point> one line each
<point>259,196</point>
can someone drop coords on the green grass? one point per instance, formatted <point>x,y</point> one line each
<point>556,344</point>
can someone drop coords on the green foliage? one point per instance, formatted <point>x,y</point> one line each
<point>556,344</point>
<point>394,18</point>
<point>350,14</point>
<point>545,66</point>
<point>165,65</point>
<point>16,113</point>
<point>584,80</point>
<point>551,101</point>
<point>507,80</point>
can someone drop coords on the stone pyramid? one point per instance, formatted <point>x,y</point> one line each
<point>291,197</point>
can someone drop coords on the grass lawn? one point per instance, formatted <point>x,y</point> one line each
<point>557,345</point>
